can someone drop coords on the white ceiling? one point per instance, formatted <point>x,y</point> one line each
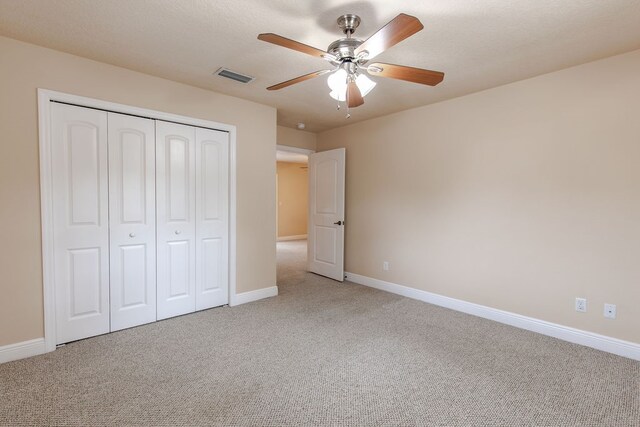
<point>478,43</point>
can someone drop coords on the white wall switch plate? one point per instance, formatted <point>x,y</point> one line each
<point>581,304</point>
<point>385,265</point>
<point>610,311</point>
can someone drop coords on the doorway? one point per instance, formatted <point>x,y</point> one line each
<point>292,208</point>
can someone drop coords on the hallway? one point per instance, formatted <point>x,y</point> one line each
<point>292,261</point>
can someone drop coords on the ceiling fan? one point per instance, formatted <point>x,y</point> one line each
<point>351,55</point>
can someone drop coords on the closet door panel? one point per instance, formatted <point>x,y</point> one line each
<point>212,218</point>
<point>176,225</point>
<point>135,292</point>
<point>80,221</point>
<point>179,266</point>
<point>132,220</point>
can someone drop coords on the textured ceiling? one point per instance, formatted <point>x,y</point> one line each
<point>478,43</point>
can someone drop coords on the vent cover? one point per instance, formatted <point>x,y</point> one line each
<point>225,72</point>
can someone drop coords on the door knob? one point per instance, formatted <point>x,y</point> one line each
<point>178,231</point>
<point>132,234</point>
<point>339,223</point>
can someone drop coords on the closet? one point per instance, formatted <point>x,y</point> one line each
<point>140,220</point>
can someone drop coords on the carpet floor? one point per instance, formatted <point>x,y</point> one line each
<point>322,353</point>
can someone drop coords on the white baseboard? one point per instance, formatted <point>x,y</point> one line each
<point>22,349</point>
<point>296,237</point>
<point>576,336</point>
<point>256,295</point>
<point>37,346</point>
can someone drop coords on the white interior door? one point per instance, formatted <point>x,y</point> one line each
<point>326,213</point>
<point>132,220</point>
<point>176,208</point>
<point>212,218</point>
<point>80,217</point>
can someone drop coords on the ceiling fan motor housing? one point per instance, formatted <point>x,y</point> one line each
<point>344,49</point>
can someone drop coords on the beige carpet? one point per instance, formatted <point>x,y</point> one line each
<point>322,353</point>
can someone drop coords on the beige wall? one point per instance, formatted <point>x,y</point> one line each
<point>293,199</point>
<point>521,197</point>
<point>296,138</point>
<point>23,69</point>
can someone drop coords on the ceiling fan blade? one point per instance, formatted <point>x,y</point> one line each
<point>410,74</point>
<point>292,44</point>
<point>298,79</point>
<point>354,97</point>
<point>400,28</point>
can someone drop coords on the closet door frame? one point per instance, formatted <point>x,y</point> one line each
<point>45,98</point>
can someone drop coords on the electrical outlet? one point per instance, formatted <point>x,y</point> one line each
<point>581,304</point>
<point>610,311</point>
<point>385,265</point>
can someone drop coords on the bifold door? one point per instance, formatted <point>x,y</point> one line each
<point>212,218</point>
<point>81,221</point>
<point>141,220</point>
<point>176,226</point>
<point>132,222</point>
<point>193,218</point>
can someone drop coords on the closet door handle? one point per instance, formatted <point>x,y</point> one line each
<point>339,223</point>
<point>177,231</point>
<point>132,234</point>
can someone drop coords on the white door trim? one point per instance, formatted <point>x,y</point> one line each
<point>45,97</point>
<point>294,149</point>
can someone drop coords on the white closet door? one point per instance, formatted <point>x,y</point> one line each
<point>212,218</point>
<point>132,222</point>
<point>80,217</point>
<point>175,196</point>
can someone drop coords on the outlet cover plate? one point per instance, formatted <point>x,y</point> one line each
<point>581,304</point>
<point>610,311</point>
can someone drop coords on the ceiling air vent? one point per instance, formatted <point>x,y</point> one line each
<point>224,72</point>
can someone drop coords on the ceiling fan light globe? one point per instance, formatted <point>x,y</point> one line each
<point>365,84</point>
<point>337,81</point>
